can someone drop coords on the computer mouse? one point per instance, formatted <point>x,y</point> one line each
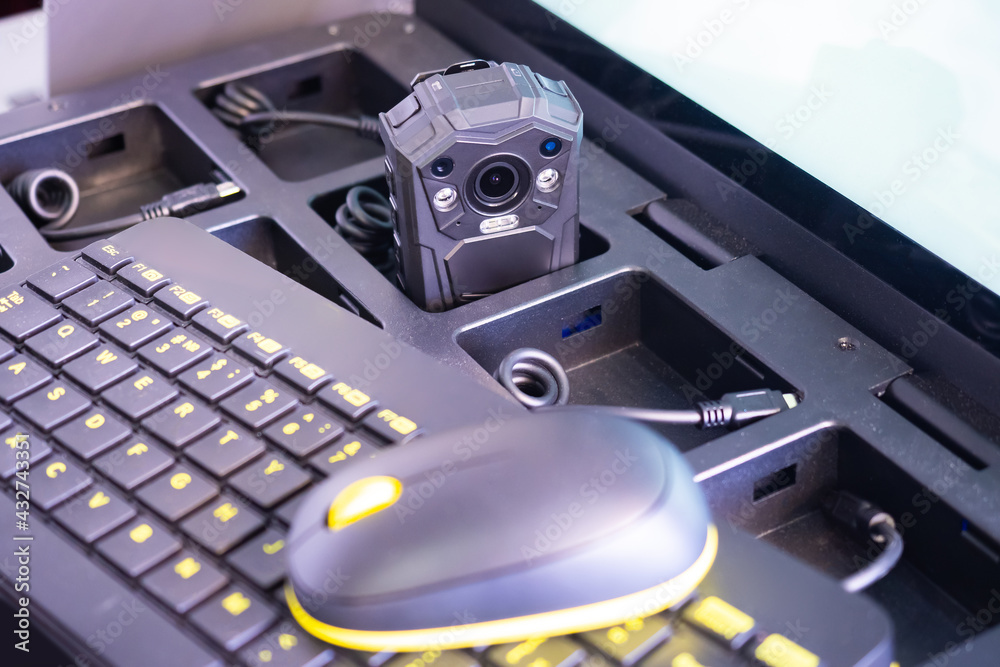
<point>545,524</point>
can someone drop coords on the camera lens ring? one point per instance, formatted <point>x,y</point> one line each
<point>550,147</point>
<point>442,166</point>
<point>497,184</point>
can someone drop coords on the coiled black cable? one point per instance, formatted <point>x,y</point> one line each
<point>242,106</point>
<point>364,221</point>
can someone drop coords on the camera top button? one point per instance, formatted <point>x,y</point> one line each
<point>551,85</point>
<point>403,111</point>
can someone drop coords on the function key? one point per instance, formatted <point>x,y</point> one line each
<point>133,463</point>
<point>138,546</point>
<point>288,646</point>
<point>91,433</point>
<point>721,621</point>
<point>19,449</point>
<point>180,301</point>
<point>20,376</point>
<point>181,422</point>
<point>174,351</point>
<point>304,431</point>
<point>222,524</point>
<point>184,581</point>
<point>270,480</point>
<point>391,426</point>
<point>97,303</point>
<point>58,479</point>
<point>178,492</point>
<point>348,401</point>
<point>259,349</point>
<point>630,642</point>
<point>135,327</point>
<point>233,617</point>
<point>62,342</point>
<point>142,394</point>
<point>60,280</point>
<point>23,314</point>
<point>225,450</point>
<point>52,406</point>
<point>305,375</point>
<point>259,403</point>
<point>143,279</point>
<point>334,458</point>
<point>215,377</point>
<point>99,369</point>
<point>220,325</point>
<point>262,559</point>
<point>107,256</point>
<point>94,514</point>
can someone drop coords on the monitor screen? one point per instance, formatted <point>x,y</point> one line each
<point>893,103</point>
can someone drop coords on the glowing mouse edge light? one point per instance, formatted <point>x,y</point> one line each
<point>565,621</point>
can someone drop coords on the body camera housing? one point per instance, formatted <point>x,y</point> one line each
<point>482,163</point>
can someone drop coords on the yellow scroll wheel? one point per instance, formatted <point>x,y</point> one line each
<point>363,498</point>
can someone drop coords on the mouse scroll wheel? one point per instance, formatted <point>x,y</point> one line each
<point>363,498</point>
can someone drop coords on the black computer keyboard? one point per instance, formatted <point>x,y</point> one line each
<point>167,401</point>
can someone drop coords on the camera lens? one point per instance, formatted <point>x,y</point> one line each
<point>497,182</point>
<point>550,147</point>
<point>442,166</point>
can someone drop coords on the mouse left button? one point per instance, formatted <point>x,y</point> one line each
<point>363,498</point>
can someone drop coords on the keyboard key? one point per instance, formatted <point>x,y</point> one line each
<point>689,648</point>
<point>94,514</point>
<point>233,617</point>
<point>779,651</point>
<point>136,327</point>
<point>57,479</point>
<point>177,493</point>
<point>23,314</point>
<point>5,420</point>
<point>262,559</point>
<point>60,280</point>
<point>184,581</point>
<point>303,374</point>
<point>348,401</point>
<point>288,646</point>
<point>53,405</point>
<point>630,642</point>
<point>101,368</point>
<point>20,376</point>
<point>140,395</point>
<point>221,326</point>
<point>180,301</point>
<point>215,377</point>
<point>286,511</point>
<point>107,256</point>
<point>142,278</point>
<point>259,403</point>
<point>225,450</point>
<point>554,652</point>
<point>109,603</point>
<point>138,546</point>
<point>336,457</point>
<point>259,349</point>
<point>721,621</point>
<point>174,351</point>
<point>6,349</point>
<point>222,524</point>
<point>97,303</point>
<point>10,447</point>
<point>391,426</point>
<point>433,658</point>
<point>181,422</point>
<point>62,342</point>
<point>270,480</point>
<point>304,431</point>
<point>133,463</point>
<point>92,433</point>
